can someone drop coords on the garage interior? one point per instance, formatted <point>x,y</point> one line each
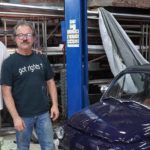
<point>47,15</point>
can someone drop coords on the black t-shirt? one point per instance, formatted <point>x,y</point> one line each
<point>27,75</point>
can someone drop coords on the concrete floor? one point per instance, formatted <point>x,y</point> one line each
<point>8,138</point>
<point>9,144</point>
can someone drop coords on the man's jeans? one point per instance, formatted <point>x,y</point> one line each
<point>44,131</point>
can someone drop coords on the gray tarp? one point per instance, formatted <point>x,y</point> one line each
<point>119,49</point>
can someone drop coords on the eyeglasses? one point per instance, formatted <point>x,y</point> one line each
<point>22,36</point>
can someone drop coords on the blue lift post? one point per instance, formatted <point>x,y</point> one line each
<point>76,55</point>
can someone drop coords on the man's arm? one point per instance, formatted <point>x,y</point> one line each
<point>53,93</point>
<point>9,102</point>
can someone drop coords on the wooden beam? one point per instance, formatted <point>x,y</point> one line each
<point>40,2</point>
<point>120,3</point>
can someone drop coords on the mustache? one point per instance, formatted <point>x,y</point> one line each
<point>25,42</point>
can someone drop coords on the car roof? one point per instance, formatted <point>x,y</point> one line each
<point>145,67</point>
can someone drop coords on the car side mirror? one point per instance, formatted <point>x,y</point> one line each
<point>103,88</point>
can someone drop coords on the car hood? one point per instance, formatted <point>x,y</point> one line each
<point>114,120</point>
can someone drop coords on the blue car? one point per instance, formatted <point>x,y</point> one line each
<point>119,121</point>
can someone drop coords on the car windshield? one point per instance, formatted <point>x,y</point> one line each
<point>131,86</point>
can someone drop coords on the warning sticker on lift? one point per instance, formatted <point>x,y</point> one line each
<point>72,34</point>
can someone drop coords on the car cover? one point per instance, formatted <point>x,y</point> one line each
<point>120,50</point>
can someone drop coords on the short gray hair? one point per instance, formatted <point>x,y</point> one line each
<point>24,23</point>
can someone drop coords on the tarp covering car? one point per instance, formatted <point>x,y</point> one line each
<point>120,50</point>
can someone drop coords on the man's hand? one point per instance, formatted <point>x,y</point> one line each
<point>19,124</point>
<point>54,112</point>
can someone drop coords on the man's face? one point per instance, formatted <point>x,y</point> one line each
<point>24,38</point>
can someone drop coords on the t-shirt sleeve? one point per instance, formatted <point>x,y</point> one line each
<point>49,74</point>
<point>6,74</point>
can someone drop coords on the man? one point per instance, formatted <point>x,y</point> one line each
<point>26,78</point>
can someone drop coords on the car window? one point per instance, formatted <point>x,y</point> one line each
<point>133,86</point>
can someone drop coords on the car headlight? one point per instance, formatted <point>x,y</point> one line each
<point>59,132</point>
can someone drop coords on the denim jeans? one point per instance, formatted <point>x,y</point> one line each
<point>43,127</point>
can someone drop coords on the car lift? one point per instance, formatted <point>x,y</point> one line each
<point>74,32</point>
